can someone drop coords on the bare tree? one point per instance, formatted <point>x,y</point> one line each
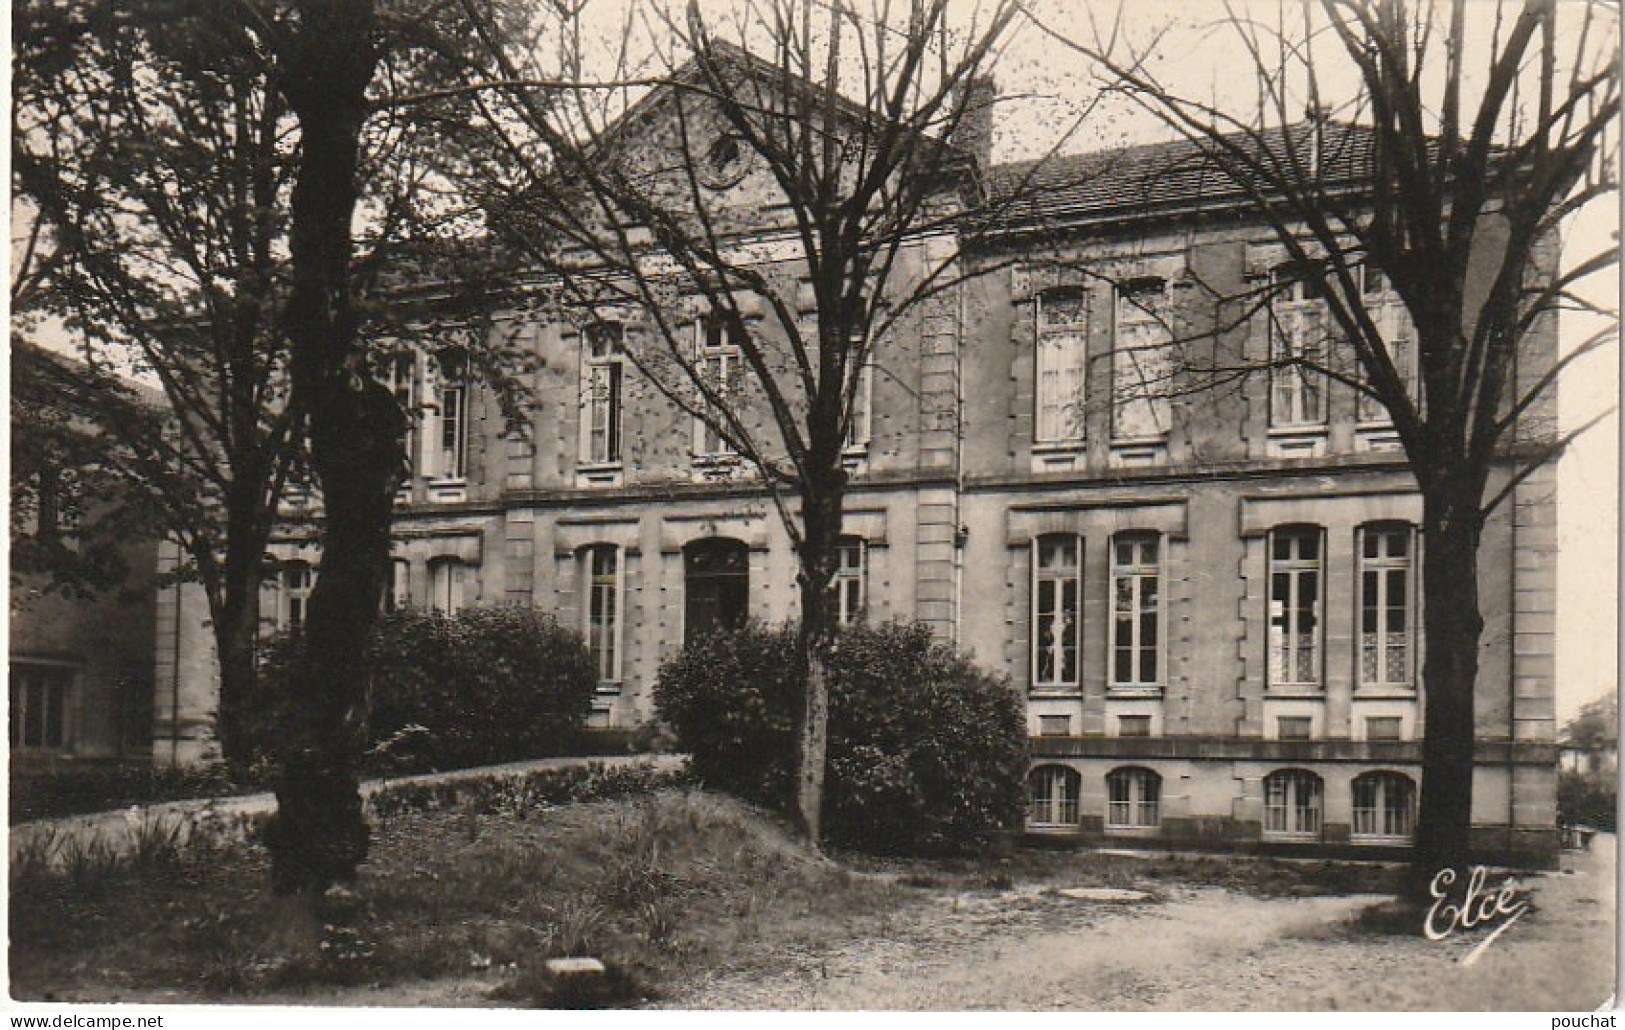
<point>1452,180</point>
<point>842,122</point>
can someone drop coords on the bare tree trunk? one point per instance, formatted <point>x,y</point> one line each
<point>236,632</point>
<point>821,529</point>
<point>1452,526</point>
<point>235,610</point>
<point>318,836</point>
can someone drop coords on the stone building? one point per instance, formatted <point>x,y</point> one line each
<point>80,643</point>
<point>1208,597</point>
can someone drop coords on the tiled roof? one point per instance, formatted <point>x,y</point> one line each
<point>1158,177</point>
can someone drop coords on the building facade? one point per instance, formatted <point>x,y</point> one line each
<point>1206,593</point>
<point>80,646</point>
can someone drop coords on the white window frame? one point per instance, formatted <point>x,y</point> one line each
<point>603,377</point>
<point>1297,330</point>
<point>603,593</point>
<point>447,578</point>
<point>719,363</point>
<point>860,429</point>
<point>1294,805</point>
<point>402,375</point>
<point>1060,367</point>
<point>448,446</point>
<point>1142,361</point>
<point>851,579</point>
<point>1286,639</point>
<point>1134,576</point>
<point>399,595</point>
<point>60,679</point>
<point>1042,623</point>
<point>1375,647</point>
<point>1393,322</point>
<point>1133,798</point>
<point>1384,808</point>
<point>297,580</point>
<point>1056,805</point>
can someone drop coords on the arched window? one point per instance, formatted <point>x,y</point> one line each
<point>1384,808</point>
<point>1056,611</point>
<point>1054,792</point>
<point>1292,804</point>
<point>1133,795</point>
<point>298,580</point>
<point>446,585</point>
<point>716,587</point>
<point>601,607</point>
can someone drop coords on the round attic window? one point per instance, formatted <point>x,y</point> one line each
<point>725,162</point>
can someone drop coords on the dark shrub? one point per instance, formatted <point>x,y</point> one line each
<point>488,684</point>
<point>731,699</point>
<point>926,752</point>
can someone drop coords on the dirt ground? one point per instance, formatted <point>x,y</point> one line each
<point>1202,949</point>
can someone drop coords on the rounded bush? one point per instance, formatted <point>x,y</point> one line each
<point>926,753</point>
<point>487,684</point>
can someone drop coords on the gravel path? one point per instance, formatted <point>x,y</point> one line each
<point>1203,949</point>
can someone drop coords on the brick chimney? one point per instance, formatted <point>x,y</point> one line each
<point>974,132</point>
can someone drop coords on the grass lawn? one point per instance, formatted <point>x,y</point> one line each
<point>467,902</point>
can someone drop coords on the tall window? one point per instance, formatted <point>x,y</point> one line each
<point>1297,335</point>
<point>1132,798</point>
<point>1142,361</point>
<point>1385,606</point>
<point>1057,573</point>
<point>400,374</point>
<point>601,608</point>
<point>1062,341</point>
<point>850,582</point>
<point>1295,554</point>
<point>1053,792</point>
<point>446,585</point>
<point>716,587</point>
<point>1384,807</point>
<point>39,698</point>
<point>719,360</point>
<point>1393,321</point>
<point>298,580</point>
<point>861,427</point>
<point>1136,611</point>
<point>601,371</point>
<point>399,594</point>
<point>451,393</point>
<point>1292,804</point>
